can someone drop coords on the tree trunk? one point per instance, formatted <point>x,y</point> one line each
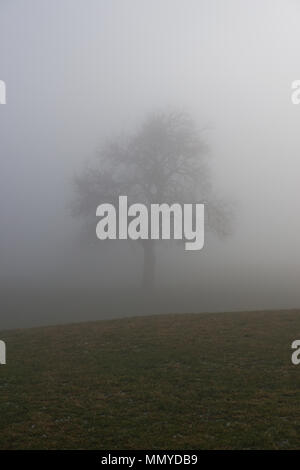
<point>149,265</point>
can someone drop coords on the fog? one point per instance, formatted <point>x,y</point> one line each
<point>80,72</point>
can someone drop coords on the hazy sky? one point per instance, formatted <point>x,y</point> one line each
<point>78,71</point>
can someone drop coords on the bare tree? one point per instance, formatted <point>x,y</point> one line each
<point>165,161</point>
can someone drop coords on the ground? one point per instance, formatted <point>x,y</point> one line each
<point>201,381</point>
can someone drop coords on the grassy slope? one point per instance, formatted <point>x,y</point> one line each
<point>175,381</point>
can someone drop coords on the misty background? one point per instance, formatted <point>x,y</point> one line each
<point>78,72</point>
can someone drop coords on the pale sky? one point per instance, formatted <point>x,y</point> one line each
<point>78,71</point>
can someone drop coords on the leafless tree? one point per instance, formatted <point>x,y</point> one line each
<point>165,161</point>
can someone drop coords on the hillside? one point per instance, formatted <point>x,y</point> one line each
<point>213,381</point>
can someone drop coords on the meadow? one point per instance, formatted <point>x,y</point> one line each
<point>185,381</point>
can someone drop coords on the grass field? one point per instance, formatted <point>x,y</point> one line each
<point>207,381</point>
